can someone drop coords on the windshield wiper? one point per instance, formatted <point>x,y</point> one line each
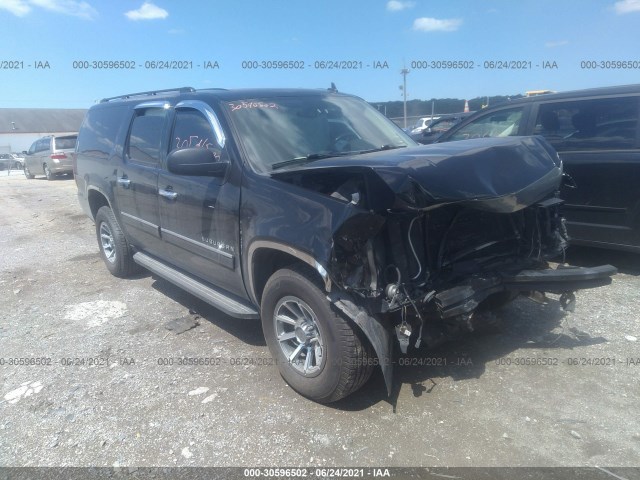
<point>319,156</point>
<point>381,149</point>
<point>305,159</point>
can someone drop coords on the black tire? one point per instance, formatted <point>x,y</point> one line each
<point>47,172</point>
<point>27,173</point>
<point>114,247</point>
<point>344,360</point>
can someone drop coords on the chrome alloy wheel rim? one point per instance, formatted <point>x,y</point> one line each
<point>299,335</point>
<point>107,242</point>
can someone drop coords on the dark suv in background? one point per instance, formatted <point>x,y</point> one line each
<point>597,134</point>
<point>50,156</point>
<point>312,211</point>
<point>438,127</point>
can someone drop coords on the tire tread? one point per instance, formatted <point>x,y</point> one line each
<point>357,364</point>
<point>124,265</point>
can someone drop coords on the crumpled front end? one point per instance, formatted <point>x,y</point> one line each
<point>438,235</point>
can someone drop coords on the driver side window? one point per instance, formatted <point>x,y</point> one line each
<point>192,129</point>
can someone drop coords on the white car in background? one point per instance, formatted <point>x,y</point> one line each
<point>422,124</point>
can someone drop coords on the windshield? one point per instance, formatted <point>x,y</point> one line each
<point>280,131</point>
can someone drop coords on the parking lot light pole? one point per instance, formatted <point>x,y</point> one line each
<point>404,72</point>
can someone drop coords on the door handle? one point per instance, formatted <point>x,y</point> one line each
<point>124,182</point>
<point>170,194</point>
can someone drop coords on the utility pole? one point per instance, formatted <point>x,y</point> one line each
<point>404,73</point>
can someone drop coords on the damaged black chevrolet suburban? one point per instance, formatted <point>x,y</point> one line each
<point>312,211</point>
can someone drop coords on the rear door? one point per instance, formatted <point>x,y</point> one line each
<point>597,139</point>
<point>136,183</point>
<point>199,215</point>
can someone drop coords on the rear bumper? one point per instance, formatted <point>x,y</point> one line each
<point>466,297</point>
<point>61,167</point>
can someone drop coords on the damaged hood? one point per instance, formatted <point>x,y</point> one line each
<point>494,174</point>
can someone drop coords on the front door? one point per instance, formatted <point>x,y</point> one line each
<point>597,142</point>
<point>199,215</point>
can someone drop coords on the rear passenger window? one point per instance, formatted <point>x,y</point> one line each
<point>503,123</point>
<point>608,123</point>
<point>145,137</point>
<point>192,129</point>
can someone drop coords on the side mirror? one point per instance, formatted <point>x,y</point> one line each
<point>196,161</point>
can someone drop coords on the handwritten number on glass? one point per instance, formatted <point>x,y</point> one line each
<point>193,141</point>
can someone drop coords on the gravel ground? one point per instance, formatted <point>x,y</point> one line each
<point>108,394</point>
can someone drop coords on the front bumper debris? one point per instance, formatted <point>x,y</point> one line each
<point>464,298</point>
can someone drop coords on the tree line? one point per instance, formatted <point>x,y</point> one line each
<point>422,108</point>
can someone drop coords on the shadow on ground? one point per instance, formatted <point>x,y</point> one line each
<point>247,331</point>
<point>526,325</point>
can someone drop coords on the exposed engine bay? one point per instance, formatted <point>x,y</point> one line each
<point>442,265</point>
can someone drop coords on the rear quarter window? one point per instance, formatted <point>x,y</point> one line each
<point>43,144</point>
<point>99,132</point>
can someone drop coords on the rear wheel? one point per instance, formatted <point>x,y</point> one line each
<point>47,172</point>
<point>114,247</point>
<point>319,353</point>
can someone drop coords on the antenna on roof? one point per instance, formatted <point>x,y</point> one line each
<point>333,88</point>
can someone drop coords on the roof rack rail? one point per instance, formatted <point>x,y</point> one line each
<point>152,92</point>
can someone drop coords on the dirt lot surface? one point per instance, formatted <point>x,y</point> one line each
<point>91,373</point>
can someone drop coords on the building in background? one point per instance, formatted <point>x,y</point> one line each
<point>20,127</point>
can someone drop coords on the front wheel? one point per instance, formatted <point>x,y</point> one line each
<point>114,247</point>
<point>319,353</point>
<point>27,173</point>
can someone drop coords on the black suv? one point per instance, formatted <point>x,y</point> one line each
<point>311,210</point>
<point>597,134</point>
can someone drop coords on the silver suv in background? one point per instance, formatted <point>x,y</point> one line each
<point>50,156</point>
